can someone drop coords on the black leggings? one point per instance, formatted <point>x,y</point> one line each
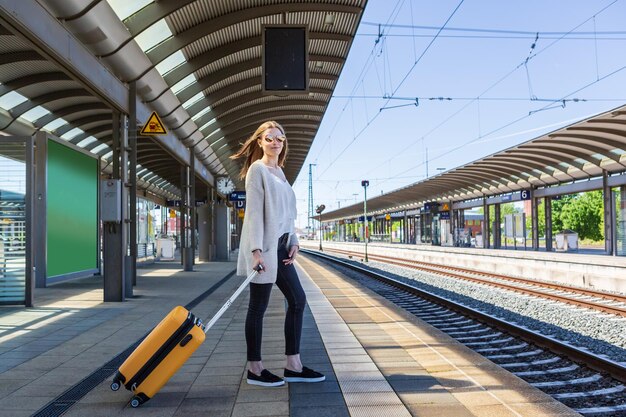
<point>289,284</point>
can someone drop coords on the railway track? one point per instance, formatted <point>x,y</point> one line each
<point>587,298</point>
<point>590,384</point>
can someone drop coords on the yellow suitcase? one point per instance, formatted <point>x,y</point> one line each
<point>165,350</point>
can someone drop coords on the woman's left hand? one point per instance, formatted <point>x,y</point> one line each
<point>293,252</point>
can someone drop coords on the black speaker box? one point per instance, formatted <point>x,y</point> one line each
<point>285,59</point>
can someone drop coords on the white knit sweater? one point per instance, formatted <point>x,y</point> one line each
<point>270,212</point>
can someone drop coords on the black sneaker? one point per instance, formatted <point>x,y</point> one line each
<point>267,379</point>
<point>307,375</point>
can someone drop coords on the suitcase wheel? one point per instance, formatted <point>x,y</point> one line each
<point>135,402</point>
<point>115,385</point>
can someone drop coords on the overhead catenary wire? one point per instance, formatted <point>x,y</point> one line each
<point>507,75</point>
<point>441,98</point>
<point>512,122</point>
<point>370,59</point>
<point>396,89</point>
<point>507,37</point>
<point>510,32</point>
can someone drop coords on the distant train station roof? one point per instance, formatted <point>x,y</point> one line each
<point>67,65</point>
<point>580,151</point>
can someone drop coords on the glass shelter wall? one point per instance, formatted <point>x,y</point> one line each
<point>13,249</point>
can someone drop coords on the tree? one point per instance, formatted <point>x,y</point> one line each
<point>557,209</point>
<point>584,214</point>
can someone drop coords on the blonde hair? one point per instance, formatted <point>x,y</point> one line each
<point>251,151</point>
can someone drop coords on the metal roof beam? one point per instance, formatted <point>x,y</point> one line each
<point>225,132</point>
<point>55,43</point>
<point>234,116</point>
<point>483,177</point>
<point>209,57</point>
<point>277,115</point>
<point>78,108</point>
<point>228,148</point>
<point>43,99</point>
<point>247,98</point>
<point>82,122</point>
<point>586,146</point>
<point>52,40</point>
<point>180,40</point>
<point>521,163</point>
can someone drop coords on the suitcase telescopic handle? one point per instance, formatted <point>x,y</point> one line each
<point>232,299</point>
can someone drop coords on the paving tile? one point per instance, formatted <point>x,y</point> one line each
<point>320,387</point>
<point>269,408</point>
<point>360,399</point>
<point>207,391</point>
<point>397,410</point>
<point>320,411</point>
<point>263,395</point>
<point>439,410</point>
<point>315,399</point>
<point>208,405</point>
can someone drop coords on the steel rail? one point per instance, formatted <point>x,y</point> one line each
<point>575,354</point>
<point>561,298</point>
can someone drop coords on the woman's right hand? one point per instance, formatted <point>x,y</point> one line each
<point>258,260</point>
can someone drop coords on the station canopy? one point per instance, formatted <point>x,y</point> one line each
<point>580,151</point>
<point>67,65</point>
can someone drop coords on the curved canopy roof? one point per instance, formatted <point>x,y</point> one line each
<point>196,62</point>
<point>580,151</point>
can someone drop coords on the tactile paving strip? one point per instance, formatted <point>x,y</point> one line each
<point>353,378</point>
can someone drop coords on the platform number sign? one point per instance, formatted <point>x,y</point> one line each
<point>524,195</point>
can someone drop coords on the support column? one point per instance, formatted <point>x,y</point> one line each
<point>548,203</point>
<point>405,229</point>
<point>609,215</point>
<point>212,224</point>
<point>497,230</point>
<point>132,177</point>
<point>222,232</point>
<point>192,210</point>
<point>486,243</point>
<point>185,256</point>
<point>534,213</point>
<point>40,226</point>
<point>115,233</point>
<point>452,224</point>
<point>29,276</point>
<point>204,238</point>
<point>454,221</point>
<point>621,226</point>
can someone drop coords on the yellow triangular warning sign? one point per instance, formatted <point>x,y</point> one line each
<point>154,126</point>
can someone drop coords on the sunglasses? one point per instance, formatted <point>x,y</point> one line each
<point>279,138</point>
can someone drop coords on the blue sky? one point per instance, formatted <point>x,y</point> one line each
<point>485,51</point>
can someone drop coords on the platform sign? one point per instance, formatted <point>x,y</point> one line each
<point>524,195</point>
<point>507,197</point>
<point>154,126</point>
<point>172,203</point>
<point>444,215</point>
<point>237,196</point>
<point>240,204</point>
<point>362,218</point>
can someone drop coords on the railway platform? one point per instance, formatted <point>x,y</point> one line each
<point>379,360</point>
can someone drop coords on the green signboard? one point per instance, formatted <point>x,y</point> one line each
<point>72,217</point>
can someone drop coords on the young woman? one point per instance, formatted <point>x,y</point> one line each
<point>268,239</point>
